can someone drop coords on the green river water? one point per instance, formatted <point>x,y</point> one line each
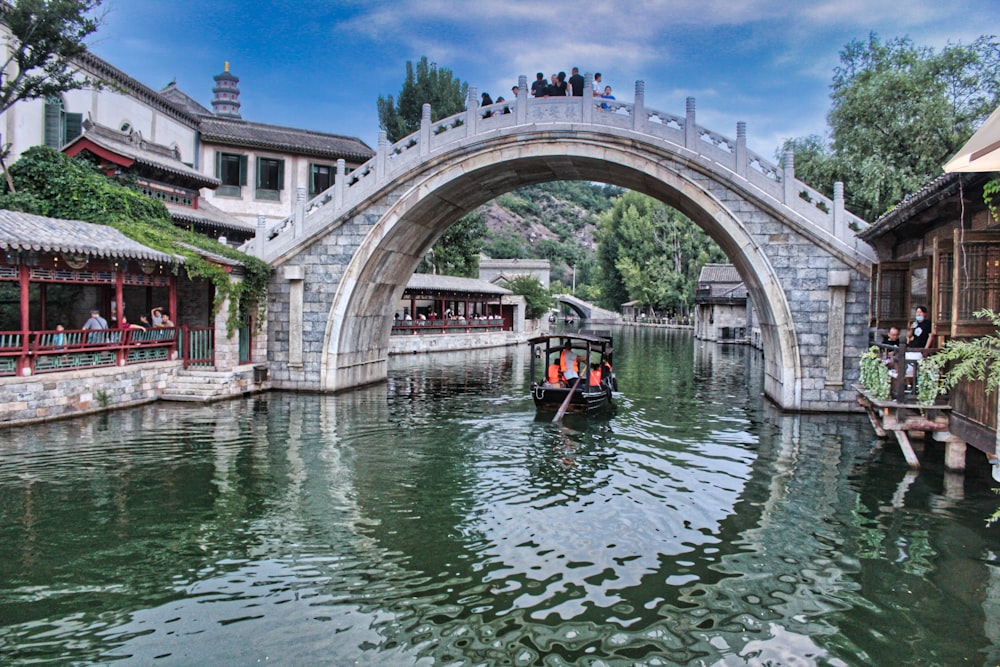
<point>434,520</point>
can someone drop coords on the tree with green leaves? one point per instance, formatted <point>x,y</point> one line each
<point>538,300</point>
<point>456,253</point>
<point>46,35</point>
<point>424,84</point>
<point>899,112</point>
<point>651,253</point>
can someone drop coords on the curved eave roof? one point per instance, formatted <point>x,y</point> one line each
<point>940,189</point>
<point>427,282</point>
<point>147,158</point>
<point>209,215</point>
<point>25,231</point>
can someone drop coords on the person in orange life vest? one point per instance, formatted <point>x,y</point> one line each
<point>595,375</point>
<point>567,363</point>
<point>553,378</point>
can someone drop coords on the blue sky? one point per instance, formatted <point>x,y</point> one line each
<point>321,64</point>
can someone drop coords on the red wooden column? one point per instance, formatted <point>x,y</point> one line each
<point>24,282</point>
<point>120,311</point>
<point>172,305</point>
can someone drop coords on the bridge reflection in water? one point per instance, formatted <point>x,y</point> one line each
<point>433,517</point>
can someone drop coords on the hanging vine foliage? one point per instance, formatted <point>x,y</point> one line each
<point>51,184</point>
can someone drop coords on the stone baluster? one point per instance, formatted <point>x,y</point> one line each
<point>425,130</point>
<point>522,100</point>
<point>258,239</point>
<point>788,177</point>
<point>472,113</point>
<point>380,156</point>
<point>587,110</point>
<point>690,127</point>
<point>838,209</point>
<point>741,149</point>
<point>339,184</point>
<point>639,107</point>
<point>299,220</point>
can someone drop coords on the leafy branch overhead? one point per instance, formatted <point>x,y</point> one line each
<point>51,184</point>
<point>47,36</point>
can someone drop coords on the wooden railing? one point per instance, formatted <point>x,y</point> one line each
<point>33,352</point>
<point>905,364</point>
<point>198,346</point>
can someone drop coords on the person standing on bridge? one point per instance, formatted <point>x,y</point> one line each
<point>576,82</point>
<point>538,86</point>
<point>598,87</point>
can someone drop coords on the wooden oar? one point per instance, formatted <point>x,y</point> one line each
<point>565,403</point>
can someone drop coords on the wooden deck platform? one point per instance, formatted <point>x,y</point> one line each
<point>904,418</point>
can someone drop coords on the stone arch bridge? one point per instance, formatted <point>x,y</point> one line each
<point>343,258</point>
<point>588,311</point>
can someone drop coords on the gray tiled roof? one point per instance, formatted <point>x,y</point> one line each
<point>24,231</point>
<point>719,273</point>
<point>179,98</point>
<point>238,132</point>
<point>428,282</point>
<point>937,190</point>
<point>147,153</point>
<point>207,214</point>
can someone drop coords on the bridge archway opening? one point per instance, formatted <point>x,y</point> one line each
<point>444,189</point>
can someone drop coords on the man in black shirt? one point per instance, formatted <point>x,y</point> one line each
<point>576,82</point>
<point>538,86</point>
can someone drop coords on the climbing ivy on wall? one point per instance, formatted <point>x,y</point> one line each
<point>49,183</point>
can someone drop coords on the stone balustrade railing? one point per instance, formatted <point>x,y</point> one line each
<point>826,218</point>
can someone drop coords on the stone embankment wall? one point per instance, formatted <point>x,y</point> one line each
<point>44,397</point>
<point>401,344</point>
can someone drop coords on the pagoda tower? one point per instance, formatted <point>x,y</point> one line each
<point>226,102</point>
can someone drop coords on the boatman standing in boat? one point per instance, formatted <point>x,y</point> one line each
<point>567,363</point>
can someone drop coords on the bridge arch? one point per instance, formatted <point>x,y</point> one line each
<point>458,182</point>
<point>355,248</point>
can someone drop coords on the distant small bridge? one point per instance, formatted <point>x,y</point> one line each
<point>588,311</point>
<point>344,258</point>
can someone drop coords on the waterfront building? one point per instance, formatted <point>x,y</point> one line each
<point>940,248</point>
<point>261,168</point>
<point>502,271</point>
<point>451,313</point>
<point>721,313</point>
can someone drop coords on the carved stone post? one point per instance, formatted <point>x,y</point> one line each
<point>639,107</point>
<point>380,155</point>
<point>838,209</point>
<point>425,130</point>
<point>587,110</point>
<point>690,126</point>
<point>788,177</point>
<point>472,113</point>
<point>741,149</point>
<point>300,213</point>
<point>338,190</point>
<point>521,108</point>
<point>258,239</point>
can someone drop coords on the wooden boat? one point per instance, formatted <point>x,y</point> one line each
<point>590,350</point>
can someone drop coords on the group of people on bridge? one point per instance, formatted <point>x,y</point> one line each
<point>558,85</point>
